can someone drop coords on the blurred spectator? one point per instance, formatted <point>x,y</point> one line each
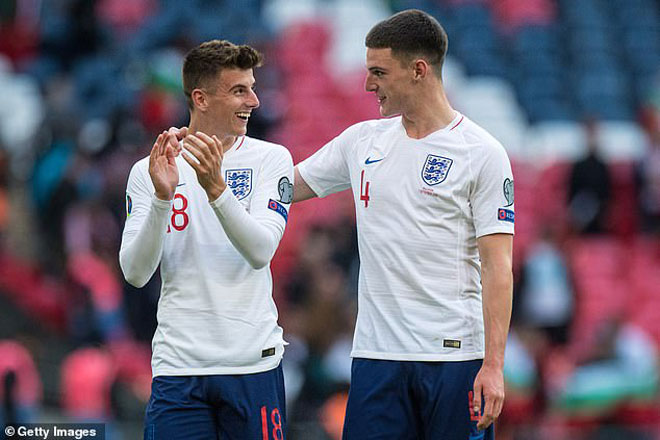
<point>4,194</point>
<point>522,382</point>
<point>102,317</point>
<point>648,180</point>
<point>328,323</point>
<point>21,112</point>
<point>590,188</point>
<point>53,190</point>
<point>320,321</point>
<point>125,17</point>
<point>621,367</point>
<point>18,30</point>
<point>546,298</point>
<point>20,385</point>
<point>71,31</point>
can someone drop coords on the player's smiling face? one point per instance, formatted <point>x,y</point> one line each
<point>388,79</point>
<point>230,101</point>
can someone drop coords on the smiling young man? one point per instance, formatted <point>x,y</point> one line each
<point>212,217</point>
<point>433,197</point>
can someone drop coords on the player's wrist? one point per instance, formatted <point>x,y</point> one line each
<point>494,364</point>
<point>216,191</point>
<point>165,196</point>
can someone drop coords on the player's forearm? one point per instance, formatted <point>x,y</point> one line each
<point>497,282</point>
<point>301,190</point>
<point>141,251</point>
<point>256,242</point>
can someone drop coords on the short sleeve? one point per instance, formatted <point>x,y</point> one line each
<point>326,171</point>
<point>492,193</point>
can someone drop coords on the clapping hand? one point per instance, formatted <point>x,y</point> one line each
<point>162,167</point>
<point>176,134</point>
<point>204,153</point>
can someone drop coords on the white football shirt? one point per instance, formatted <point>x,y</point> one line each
<point>216,314</point>
<point>420,206</point>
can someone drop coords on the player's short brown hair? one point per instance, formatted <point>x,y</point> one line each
<point>206,61</point>
<point>411,33</point>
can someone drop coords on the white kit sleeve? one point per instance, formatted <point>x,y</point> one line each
<point>492,194</point>
<point>326,171</point>
<point>144,231</point>
<point>257,234</point>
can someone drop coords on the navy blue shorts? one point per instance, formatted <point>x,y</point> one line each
<point>412,400</point>
<point>227,407</point>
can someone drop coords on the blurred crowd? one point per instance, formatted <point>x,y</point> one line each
<point>87,84</point>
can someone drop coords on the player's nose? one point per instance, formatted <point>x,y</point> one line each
<point>253,100</point>
<point>369,85</point>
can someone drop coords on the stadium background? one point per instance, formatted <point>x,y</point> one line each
<point>86,85</point>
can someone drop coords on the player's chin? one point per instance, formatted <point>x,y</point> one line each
<point>240,130</point>
<point>386,109</point>
<point>386,112</point>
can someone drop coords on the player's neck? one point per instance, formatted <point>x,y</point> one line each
<point>197,124</point>
<point>427,115</point>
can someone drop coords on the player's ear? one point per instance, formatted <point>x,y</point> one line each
<point>199,99</point>
<point>420,69</point>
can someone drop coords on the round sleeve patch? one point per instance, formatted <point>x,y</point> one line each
<point>285,188</point>
<point>129,205</point>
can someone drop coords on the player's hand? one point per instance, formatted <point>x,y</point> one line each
<point>490,383</point>
<point>162,167</point>
<point>176,135</point>
<point>204,154</point>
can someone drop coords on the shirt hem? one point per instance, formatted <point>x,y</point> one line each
<point>212,371</point>
<point>496,230</point>
<point>434,357</point>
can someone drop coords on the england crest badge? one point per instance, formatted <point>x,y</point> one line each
<point>240,181</point>
<point>435,169</point>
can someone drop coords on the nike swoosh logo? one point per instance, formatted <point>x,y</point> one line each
<point>369,161</point>
<point>180,184</point>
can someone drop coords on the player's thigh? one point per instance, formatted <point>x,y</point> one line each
<point>379,403</point>
<point>444,390</point>
<point>253,406</point>
<point>177,410</point>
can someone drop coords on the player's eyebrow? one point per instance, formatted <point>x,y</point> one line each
<point>245,85</point>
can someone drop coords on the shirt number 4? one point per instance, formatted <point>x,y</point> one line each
<point>179,219</point>
<point>364,190</point>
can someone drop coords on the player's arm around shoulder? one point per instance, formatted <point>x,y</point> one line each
<point>495,251</point>
<point>326,171</point>
<point>301,190</point>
